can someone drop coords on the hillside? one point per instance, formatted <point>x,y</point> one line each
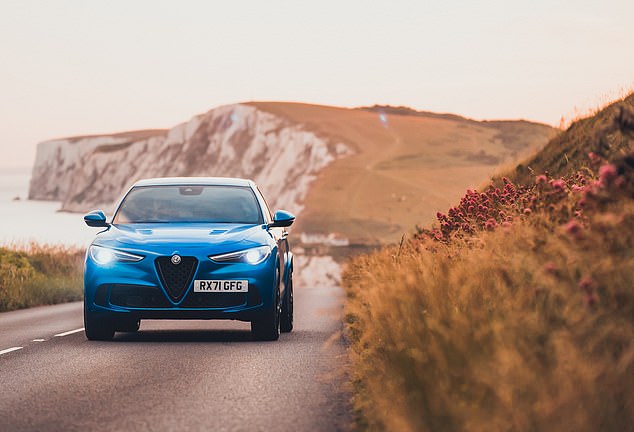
<point>403,168</point>
<point>367,174</point>
<point>234,141</point>
<point>607,135</point>
<point>515,311</point>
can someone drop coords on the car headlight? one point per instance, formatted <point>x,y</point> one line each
<point>102,255</point>
<point>251,256</point>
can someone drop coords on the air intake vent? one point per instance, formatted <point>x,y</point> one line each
<point>176,277</point>
<point>138,296</point>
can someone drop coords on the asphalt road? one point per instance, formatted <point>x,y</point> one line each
<point>174,375</point>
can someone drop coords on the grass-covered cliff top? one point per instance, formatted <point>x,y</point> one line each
<point>515,311</point>
<point>606,135</point>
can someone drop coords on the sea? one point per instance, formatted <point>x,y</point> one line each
<point>24,221</point>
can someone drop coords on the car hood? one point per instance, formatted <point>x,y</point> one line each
<point>219,237</point>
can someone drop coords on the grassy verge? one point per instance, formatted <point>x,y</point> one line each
<point>39,275</point>
<point>515,313</point>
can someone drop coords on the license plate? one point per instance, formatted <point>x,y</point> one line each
<point>221,286</point>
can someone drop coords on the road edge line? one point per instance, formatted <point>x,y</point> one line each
<point>8,350</point>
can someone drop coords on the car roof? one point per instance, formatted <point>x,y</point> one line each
<point>186,181</point>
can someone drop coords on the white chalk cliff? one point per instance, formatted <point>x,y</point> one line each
<point>233,141</point>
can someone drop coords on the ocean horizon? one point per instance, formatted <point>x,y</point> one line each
<point>25,221</point>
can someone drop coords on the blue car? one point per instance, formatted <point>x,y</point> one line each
<point>189,248</point>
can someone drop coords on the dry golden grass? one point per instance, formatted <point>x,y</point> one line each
<point>32,275</point>
<point>605,134</point>
<point>498,336</point>
<point>403,171</point>
<point>602,102</point>
<point>529,327</point>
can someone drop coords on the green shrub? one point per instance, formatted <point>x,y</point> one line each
<point>38,275</point>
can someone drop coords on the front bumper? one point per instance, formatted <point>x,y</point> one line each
<point>133,290</point>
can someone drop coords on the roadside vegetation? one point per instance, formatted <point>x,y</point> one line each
<point>516,310</point>
<point>36,275</point>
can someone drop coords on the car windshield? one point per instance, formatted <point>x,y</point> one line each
<point>195,203</point>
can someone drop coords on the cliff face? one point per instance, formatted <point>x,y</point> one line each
<point>358,176</point>
<point>232,141</point>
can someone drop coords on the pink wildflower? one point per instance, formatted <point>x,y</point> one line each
<point>587,285</point>
<point>619,182</point>
<point>550,267</point>
<point>558,185</point>
<point>608,173</point>
<point>594,158</point>
<point>574,228</point>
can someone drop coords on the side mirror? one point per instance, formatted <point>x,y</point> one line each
<point>282,219</point>
<point>96,218</point>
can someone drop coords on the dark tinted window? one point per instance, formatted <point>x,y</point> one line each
<point>162,204</point>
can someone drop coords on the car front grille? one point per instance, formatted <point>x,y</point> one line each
<point>176,277</point>
<point>137,296</point>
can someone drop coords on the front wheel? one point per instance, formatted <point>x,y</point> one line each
<point>286,319</point>
<point>97,329</point>
<point>268,327</point>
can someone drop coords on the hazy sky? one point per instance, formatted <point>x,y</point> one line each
<point>80,67</point>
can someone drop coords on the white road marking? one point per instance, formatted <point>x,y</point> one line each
<point>69,332</point>
<point>38,340</point>
<point>8,350</point>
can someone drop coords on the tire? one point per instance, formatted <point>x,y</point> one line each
<point>268,328</point>
<point>128,325</point>
<point>97,329</point>
<point>286,318</point>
